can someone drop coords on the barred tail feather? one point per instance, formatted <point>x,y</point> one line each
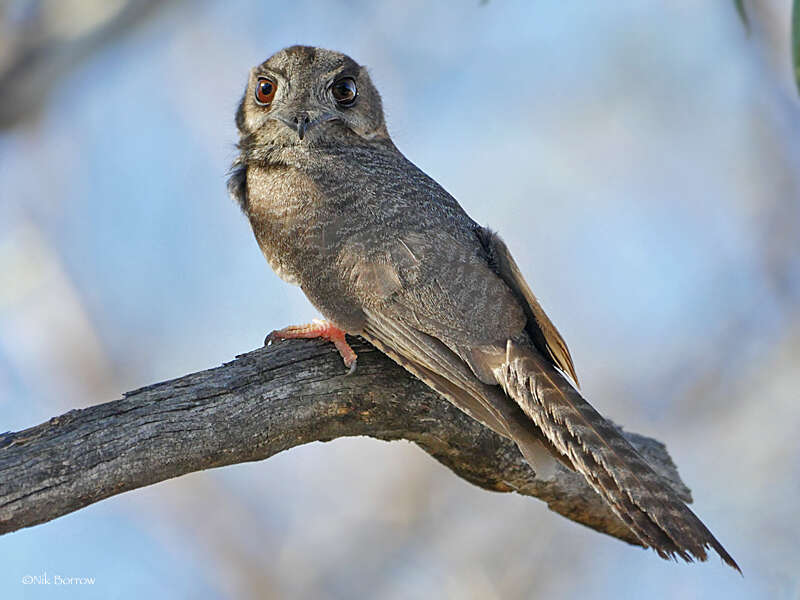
<point>636,493</point>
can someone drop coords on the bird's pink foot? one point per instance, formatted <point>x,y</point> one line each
<point>318,329</point>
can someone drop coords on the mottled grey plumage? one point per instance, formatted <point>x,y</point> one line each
<point>384,252</point>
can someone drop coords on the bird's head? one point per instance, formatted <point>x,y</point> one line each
<point>309,96</point>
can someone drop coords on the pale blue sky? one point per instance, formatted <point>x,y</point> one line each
<point>631,154</point>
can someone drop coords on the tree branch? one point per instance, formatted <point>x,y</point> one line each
<point>262,403</point>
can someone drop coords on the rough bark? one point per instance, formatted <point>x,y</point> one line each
<point>262,403</point>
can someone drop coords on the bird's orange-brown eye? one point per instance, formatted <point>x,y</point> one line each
<point>265,90</point>
<point>344,91</point>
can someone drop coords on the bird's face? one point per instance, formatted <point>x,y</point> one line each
<point>304,96</point>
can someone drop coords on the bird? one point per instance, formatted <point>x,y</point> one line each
<point>385,253</point>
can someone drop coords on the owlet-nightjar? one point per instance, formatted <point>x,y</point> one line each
<point>383,252</point>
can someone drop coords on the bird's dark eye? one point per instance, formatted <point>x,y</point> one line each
<point>265,90</point>
<point>344,91</point>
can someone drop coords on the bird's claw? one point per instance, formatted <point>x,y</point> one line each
<point>318,329</point>
<point>352,368</point>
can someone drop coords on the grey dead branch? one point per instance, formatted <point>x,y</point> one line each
<point>262,403</point>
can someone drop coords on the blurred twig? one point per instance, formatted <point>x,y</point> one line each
<point>41,41</point>
<point>795,34</point>
<point>262,403</point>
<point>742,14</point>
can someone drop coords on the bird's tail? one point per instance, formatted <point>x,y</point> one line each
<point>636,494</point>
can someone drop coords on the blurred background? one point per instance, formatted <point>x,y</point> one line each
<point>642,161</point>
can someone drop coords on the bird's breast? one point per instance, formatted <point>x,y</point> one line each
<point>282,214</point>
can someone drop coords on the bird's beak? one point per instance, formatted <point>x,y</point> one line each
<point>303,120</point>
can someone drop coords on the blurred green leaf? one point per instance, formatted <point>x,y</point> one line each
<point>742,14</point>
<point>796,41</point>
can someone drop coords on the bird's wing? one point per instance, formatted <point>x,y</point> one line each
<point>439,308</point>
<point>412,316</point>
<point>436,282</point>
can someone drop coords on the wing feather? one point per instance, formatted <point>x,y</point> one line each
<point>539,326</point>
<point>443,370</point>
